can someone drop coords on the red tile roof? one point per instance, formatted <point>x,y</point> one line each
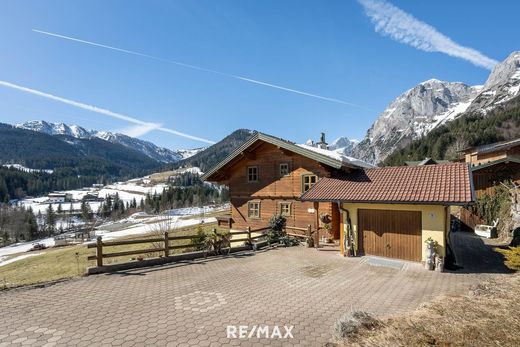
<point>448,184</point>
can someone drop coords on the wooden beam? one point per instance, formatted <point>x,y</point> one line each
<point>248,155</point>
<point>317,237</point>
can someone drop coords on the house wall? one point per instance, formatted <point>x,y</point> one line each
<point>433,219</point>
<point>485,180</point>
<point>271,188</point>
<point>475,158</point>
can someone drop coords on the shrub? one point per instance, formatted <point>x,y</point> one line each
<point>276,228</point>
<point>512,255</point>
<point>351,323</point>
<point>495,206</point>
<point>198,241</point>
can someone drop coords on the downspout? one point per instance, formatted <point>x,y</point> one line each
<point>348,239</point>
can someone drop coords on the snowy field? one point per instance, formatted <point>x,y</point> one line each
<point>139,224</point>
<point>128,191</point>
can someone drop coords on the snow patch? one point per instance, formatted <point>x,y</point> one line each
<point>15,259</point>
<point>26,169</point>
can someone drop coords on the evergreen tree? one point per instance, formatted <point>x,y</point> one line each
<point>50,220</point>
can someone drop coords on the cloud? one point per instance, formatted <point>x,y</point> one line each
<point>142,124</point>
<point>405,28</point>
<point>140,130</point>
<point>200,68</point>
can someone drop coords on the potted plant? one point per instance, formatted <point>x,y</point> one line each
<point>326,223</point>
<point>431,252</point>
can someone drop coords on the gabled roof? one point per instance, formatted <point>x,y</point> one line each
<point>493,146</point>
<point>507,159</point>
<point>326,157</point>
<point>426,161</point>
<point>447,184</point>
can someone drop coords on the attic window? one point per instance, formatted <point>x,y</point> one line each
<point>252,173</point>
<point>284,169</point>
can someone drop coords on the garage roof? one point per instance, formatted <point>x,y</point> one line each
<point>447,184</point>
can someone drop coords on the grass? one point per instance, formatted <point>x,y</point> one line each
<point>512,255</point>
<point>487,316</point>
<point>62,263</point>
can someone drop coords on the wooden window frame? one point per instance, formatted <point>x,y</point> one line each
<point>249,203</point>
<point>281,203</point>
<point>280,170</point>
<point>310,185</point>
<point>249,180</point>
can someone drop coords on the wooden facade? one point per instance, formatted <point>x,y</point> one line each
<point>276,186</point>
<point>476,157</point>
<point>487,178</point>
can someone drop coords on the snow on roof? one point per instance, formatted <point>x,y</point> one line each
<point>338,156</point>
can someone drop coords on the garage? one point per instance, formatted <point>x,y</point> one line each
<point>392,211</point>
<point>390,233</point>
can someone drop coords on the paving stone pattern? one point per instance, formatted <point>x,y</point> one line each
<point>192,303</point>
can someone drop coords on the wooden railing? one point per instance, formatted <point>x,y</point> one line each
<point>166,239</point>
<point>165,242</point>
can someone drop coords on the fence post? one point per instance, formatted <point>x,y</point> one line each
<point>99,251</point>
<point>250,240</point>
<point>166,245</point>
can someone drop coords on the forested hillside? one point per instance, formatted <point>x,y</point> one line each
<point>471,129</point>
<point>215,153</point>
<point>75,162</point>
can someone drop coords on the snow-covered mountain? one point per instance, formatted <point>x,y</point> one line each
<point>431,103</point>
<point>151,150</point>
<point>343,145</point>
<point>502,84</point>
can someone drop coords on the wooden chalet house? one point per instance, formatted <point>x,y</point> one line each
<point>491,164</point>
<point>267,175</point>
<point>387,212</point>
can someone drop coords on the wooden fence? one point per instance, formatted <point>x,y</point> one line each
<point>102,253</point>
<point>469,218</point>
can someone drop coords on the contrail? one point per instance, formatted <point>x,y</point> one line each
<point>148,125</point>
<point>200,68</point>
<point>391,21</point>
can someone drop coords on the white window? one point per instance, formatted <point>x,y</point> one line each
<point>252,173</point>
<point>308,181</point>
<point>284,169</point>
<point>253,209</point>
<point>285,208</point>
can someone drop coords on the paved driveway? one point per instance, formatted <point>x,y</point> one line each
<point>192,303</point>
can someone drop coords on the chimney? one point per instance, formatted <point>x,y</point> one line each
<point>322,144</point>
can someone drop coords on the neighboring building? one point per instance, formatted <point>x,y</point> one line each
<point>392,211</point>
<point>488,153</point>
<point>426,161</point>
<point>494,163</point>
<point>59,197</point>
<point>267,176</point>
<point>384,211</point>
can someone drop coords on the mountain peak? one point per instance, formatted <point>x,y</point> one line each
<point>151,150</point>
<point>432,103</point>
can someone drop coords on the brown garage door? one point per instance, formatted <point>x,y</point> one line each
<point>393,234</point>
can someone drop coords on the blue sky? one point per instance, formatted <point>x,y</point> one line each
<point>326,48</point>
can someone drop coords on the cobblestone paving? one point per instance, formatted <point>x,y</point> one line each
<point>192,303</point>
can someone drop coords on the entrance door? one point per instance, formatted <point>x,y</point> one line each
<point>392,234</point>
